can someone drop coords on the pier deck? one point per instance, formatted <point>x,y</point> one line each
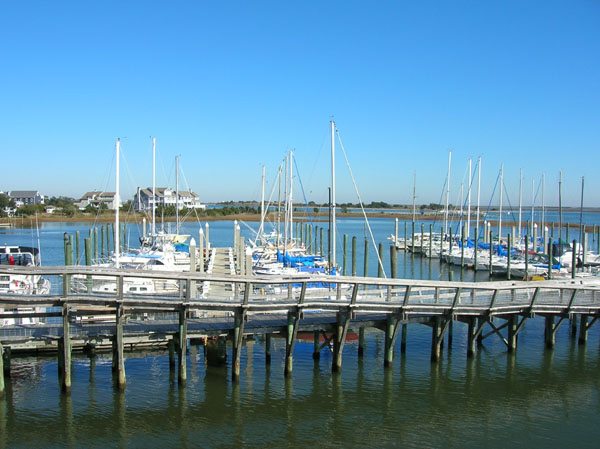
<point>285,306</point>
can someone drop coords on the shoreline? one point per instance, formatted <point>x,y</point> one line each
<point>30,221</point>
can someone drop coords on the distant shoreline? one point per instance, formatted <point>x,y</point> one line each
<point>271,217</point>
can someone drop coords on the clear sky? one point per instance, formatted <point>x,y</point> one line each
<point>232,85</point>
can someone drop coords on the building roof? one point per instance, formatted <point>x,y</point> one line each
<point>23,193</point>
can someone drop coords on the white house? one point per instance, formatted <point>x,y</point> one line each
<point>165,196</point>
<point>96,198</point>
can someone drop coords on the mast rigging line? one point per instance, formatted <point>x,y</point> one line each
<point>361,204</point>
<point>303,194</point>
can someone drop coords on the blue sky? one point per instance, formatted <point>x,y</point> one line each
<point>230,86</point>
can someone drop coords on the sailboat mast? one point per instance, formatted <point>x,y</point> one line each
<point>532,205</point>
<point>500,214</point>
<point>286,205</point>
<point>262,204</point>
<point>447,194</point>
<point>153,187</point>
<point>291,197</point>
<point>543,230</point>
<point>581,217</point>
<point>176,194</point>
<point>520,202</point>
<point>117,195</point>
<point>279,210</point>
<point>560,208</point>
<point>414,211</point>
<point>332,232</point>
<point>478,191</point>
<point>469,200</point>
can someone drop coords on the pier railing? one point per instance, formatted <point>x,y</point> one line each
<point>325,305</point>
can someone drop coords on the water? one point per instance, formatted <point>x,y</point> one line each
<point>536,398</point>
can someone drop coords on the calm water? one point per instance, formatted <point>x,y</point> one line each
<point>536,398</point>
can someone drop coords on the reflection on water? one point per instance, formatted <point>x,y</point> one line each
<point>492,398</point>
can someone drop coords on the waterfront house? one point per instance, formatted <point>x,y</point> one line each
<point>24,197</point>
<point>165,197</point>
<point>96,199</point>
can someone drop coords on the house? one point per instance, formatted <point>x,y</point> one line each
<point>51,209</point>
<point>165,197</point>
<point>24,197</point>
<point>96,199</point>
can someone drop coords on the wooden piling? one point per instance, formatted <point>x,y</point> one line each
<point>118,347</point>
<point>77,248</point>
<point>316,345</point>
<point>321,239</point>
<point>6,360</point>
<point>366,259</point>
<point>341,330</point>
<point>389,341</point>
<point>393,260</point>
<point>526,258</point>
<point>171,347</point>
<point>583,329</point>
<point>87,246</point>
<point>405,236</point>
<point>345,254</point>
<point>64,352</point>
<point>268,349</point>
<point>182,347</point>
<point>509,241</point>
<point>475,250</point>
<point>550,259</point>
<point>237,345</point>
<point>354,256</point>
<point>289,344</point>
<point>379,261</point>
<point>491,253</point>
<point>512,332</point>
<point>1,371</point>
<point>403,339</point>
<point>574,260</point>
<point>95,245</point>
<point>471,332</point>
<point>549,332</point>
<point>361,342</point>
<point>436,339</point>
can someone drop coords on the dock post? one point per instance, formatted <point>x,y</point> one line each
<point>102,230</point>
<point>289,343</point>
<point>237,346</point>
<point>512,332</point>
<point>6,360</point>
<point>574,260</point>
<point>472,331</point>
<point>403,339</point>
<point>393,261</point>
<point>361,342</point>
<point>1,371</point>
<point>64,353</point>
<point>389,341</point>
<point>583,330</point>
<point>268,349</point>
<point>354,256</point>
<point>380,261</point>
<point>182,373</point>
<point>345,254</point>
<point>509,241</point>
<point>549,332</point>
<point>475,251</point>
<point>95,244</point>
<point>491,267</point>
<point>316,346</point>
<point>87,246</point>
<point>77,248</point>
<point>405,236</point>
<point>366,259</point>
<point>450,334</point>
<point>341,329</point>
<point>321,239</point>
<point>118,354</point>
<point>480,324</point>
<point>171,346</point>
<point>436,339</point>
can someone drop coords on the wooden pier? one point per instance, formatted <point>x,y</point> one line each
<point>278,306</point>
